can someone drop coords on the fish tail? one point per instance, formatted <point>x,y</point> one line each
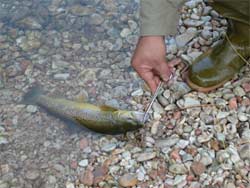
<point>31,97</point>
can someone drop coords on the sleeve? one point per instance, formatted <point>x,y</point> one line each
<point>159,17</point>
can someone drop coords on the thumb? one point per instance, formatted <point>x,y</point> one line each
<point>164,71</point>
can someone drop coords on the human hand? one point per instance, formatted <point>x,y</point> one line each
<point>149,61</point>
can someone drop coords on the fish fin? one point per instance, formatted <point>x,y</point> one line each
<point>32,95</point>
<point>108,108</point>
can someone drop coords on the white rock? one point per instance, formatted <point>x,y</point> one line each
<point>191,102</point>
<point>61,76</point>
<point>243,117</point>
<point>83,163</point>
<point>138,92</point>
<point>183,39</point>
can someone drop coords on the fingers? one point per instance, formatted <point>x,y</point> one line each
<point>163,71</point>
<point>150,79</point>
<point>174,62</point>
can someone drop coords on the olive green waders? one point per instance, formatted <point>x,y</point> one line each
<point>220,64</point>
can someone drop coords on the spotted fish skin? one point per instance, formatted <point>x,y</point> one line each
<point>101,119</point>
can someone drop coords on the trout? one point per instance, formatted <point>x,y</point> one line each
<point>101,119</point>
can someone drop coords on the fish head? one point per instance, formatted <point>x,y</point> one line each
<point>130,119</point>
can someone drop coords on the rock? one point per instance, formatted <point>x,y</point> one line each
<point>204,137</point>
<point>70,185</point>
<point>32,174</point>
<point>138,92</point>
<point>61,76</point>
<point>167,142</point>
<point>96,19</point>
<point>230,185</point>
<point>31,108</point>
<point>183,39</point>
<point>243,117</point>
<point>4,185</point>
<point>158,108</point>
<point>239,91</point>
<point>80,10</point>
<point>128,180</point>
<point>108,147</point>
<point>125,32</point>
<point>3,140</point>
<point>193,23</point>
<point>198,168</point>
<point>233,104</point>
<point>179,88</point>
<point>146,156</point>
<point>83,163</point>
<point>194,55</point>
<point>214,14</point>
<point>87,178</point>
<point>206,34</point>
<point>166,93</point>
<point>245,151</point>
<point>154,128</point>
<point>246,87</point>
<point>183,143</point>
<point>30,23</point>
<point>246,135</point>
<point>100,174</point>
<point>178,169</point>
<point>162,100</point>
<point>191,102</point>
<point>222,115</point>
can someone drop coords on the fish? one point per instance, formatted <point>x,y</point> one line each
<point>101,119</point>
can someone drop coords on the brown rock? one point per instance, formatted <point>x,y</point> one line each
<point>215,145</point>
<point>100,174</point>
<point>233,104</point>
<point>198,168</point>
<point>87,178</point>
<point>246,87</point>
<point>127,180</point>
<point>83,143</point>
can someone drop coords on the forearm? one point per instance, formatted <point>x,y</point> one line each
<point>159,17</point>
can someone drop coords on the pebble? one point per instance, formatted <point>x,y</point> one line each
<point>32,174</point>
<point>198,168</point>
<point>178,169</point>
<point>154,128</point>
<point>62,76</point>
<point>79,10</point>
<point>191,102</point>
<point>70,185</point>
<point>239,91</point>
<point>109,147</point>
<point>138,92</point>
<point>243,117</point>
<point>183,39</point>
<point>31,109</point>
<point>146,156</point>
<point>171,141</point>
<point>244,151</point>
<point>83,163</point>
<point>128,180</point>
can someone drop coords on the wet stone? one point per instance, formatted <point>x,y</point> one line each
<point>32,174</point>
<point>146,156</point>
<point>198,168</point>
<point>178,169</point>
<point>127,180</point>
<point>83,163</point>
<point>109,147</point>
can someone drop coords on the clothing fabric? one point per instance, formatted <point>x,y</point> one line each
<point>159,17</point>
